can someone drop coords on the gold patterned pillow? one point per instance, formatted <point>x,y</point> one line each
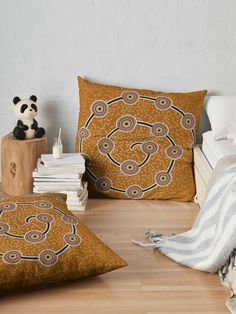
<point>138,143</point>
<point>41,242</point>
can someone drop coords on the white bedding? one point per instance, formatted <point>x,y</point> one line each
<point>216,150</point>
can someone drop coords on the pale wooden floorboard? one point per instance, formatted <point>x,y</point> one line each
<point>151,283</point>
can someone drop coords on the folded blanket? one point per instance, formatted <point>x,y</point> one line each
<point>208,245</point>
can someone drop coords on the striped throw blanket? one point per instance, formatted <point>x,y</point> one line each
<point>208,246</point>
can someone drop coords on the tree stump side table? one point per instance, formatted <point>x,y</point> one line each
<point>18,160</point>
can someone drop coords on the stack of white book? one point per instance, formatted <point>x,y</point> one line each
<point>62,175</point>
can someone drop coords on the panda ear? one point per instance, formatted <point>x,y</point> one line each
<point>16,100</point>
<point>34,98</point>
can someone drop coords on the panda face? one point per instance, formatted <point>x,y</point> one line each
<point>25,109</point>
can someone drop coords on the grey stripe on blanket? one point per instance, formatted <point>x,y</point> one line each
<point>211,243</point>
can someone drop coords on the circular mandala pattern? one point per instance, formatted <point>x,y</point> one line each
<point>43,204</point>
<point>126,123</point>
<point>12,257</point>
<point>105,145</point>
<point>163,103</point>
<point>7,206</point>
<point>163,178</point>
<point>48,258</point>
<point>71,220</point>
<point>87,159</point>
<point>134,191</point>
<point>129,168</point>
<point>160,129</point>
<point>188,121</point>
<point>103,184</point>
<point>45,218</point>
<point>149,148</point>
<point>174,152</point>
<point>99,108</point>
<point>83,133</point>
<point>4,228</point>
<point>130,97</point>
<point>72,239</point>
<point>34,236</point>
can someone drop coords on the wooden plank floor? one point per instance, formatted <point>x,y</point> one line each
<point>151,283</point>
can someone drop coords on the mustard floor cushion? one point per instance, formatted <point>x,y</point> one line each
<point>41,243</point>
<point>138,143</point>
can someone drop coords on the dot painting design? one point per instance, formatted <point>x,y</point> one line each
<point>45,257</point>
<point>127,124</point>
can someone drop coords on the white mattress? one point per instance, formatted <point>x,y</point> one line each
<point>215,150</point>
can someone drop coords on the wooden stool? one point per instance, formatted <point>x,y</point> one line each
<point>19,159</point>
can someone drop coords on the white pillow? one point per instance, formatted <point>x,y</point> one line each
<point>221,111</point>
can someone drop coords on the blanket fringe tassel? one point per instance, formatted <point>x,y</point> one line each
<point>154,237</point>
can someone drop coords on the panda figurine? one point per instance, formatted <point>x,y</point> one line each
<point>27,126</point>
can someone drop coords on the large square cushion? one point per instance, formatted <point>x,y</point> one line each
<point>138,143</point>
<point>41,242</point>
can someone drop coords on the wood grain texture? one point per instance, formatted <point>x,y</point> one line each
<point>151,283</point>
<point>18,160</point>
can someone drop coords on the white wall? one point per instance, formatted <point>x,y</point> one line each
<point>166,45</point>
